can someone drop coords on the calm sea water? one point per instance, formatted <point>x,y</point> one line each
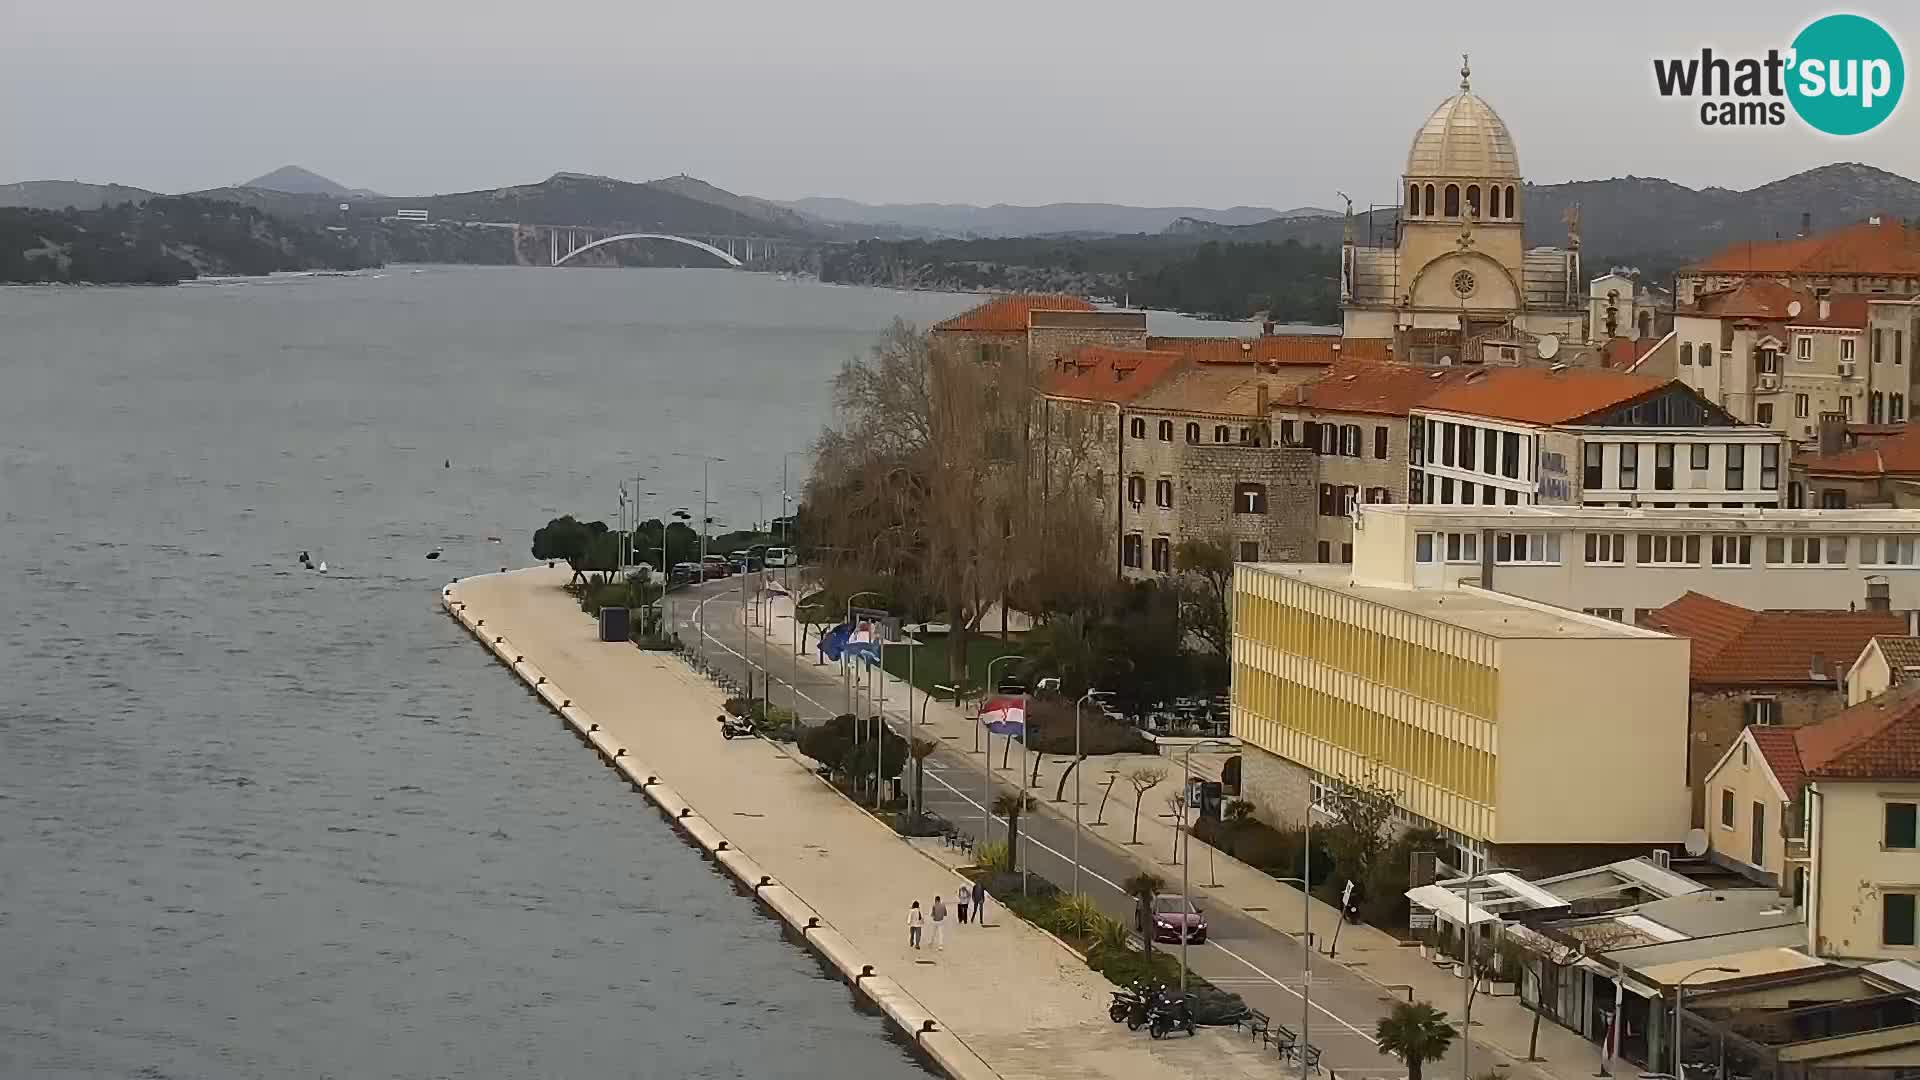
<point>256,821</point>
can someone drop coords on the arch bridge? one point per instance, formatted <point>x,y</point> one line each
<point>564,250</point>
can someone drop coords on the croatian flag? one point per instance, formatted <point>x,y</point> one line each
<point>1005,715</point>
<point>863,644</point>
<point>834,642</point>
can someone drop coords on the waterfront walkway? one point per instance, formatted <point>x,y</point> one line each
<point>1019,1000</point>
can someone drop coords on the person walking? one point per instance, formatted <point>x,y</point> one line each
<point>960,904</point>
<point>980,904</point>
<point>939,924</point>
<point>916,921</point>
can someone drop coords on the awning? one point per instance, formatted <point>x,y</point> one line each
<point>1446,905</point>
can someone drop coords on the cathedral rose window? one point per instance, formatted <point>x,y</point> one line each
<point>1463,283</point>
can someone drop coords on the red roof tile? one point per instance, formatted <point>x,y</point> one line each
<point>1887,249</point>
<point>1099,373</point>
<point>1620,354</point>
<point>1782,751</point>
<point>1892,455</point>
<point>1878,739</point>
<point>1733,645</point>
<point>1008,314</point>
<point>1541,395</point>
<point>1374,388</point>
<point>1272,349</point>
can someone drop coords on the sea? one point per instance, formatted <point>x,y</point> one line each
<point>256,820</point>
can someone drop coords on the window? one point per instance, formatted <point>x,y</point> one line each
<point>1221,433</point>
<point>1463,547</point>
<point>1136,489</point>
<point>1380,443</point>
<point>1329,439</point>
<point>1130,550</point>
<point>1732,550</point>
<point>1888,551</point>
<point>1896,918</point>
<point>1509,455</point>
<point>1138,428</point>
<point>1327,497</point>
<point>1833,499</point>
<point>1706,354</point>
<point>1466,444</point>
<point>1699,455</point>
<point>1901,821</point>
<point>1249,498</point>
<point>1757,840</point>
<point>1426,201</point>
<point>1446,443</point>
<point>1466,492</point>
<point>1806,550</point>
<point>1846,408</point>
<point>1736,467</point>
<point>1846,348</point>
<point>1324,551</point>
<point>1349,498</point>
<point>1803,348</point>
<point>1770,467</point>
<point>1591,460</point>
<point>1768,362</point>
<point>1162,554</point>
<point>1513,497</point>
<point>1446,491</point>
<point>1726,808</point>
<point>1669,549</point>
<point>1346,553</point>
<point>1163,493</point>
<point>1166,431</point>
<point>1249,551</point>
<point>1193,432</point>
<point>1310,435</point>
<point>1800,406</point>
<point>1663,467</point>
<point>1246,437</point>
<point>1763,413</point>
<point>1379,495</point>
<point>1796,495</point>
<point>1473,200</point>
<point>1686,354</point>
<point>1350,440</point>
<point>1762,712</point>
<point>1606,549</point>
<point>1452,204</point>
<point>1875,407</point>
<point>1896,408</point>
<point>1413,200</point>
<point>1613,613</point>
<point>1629,466</point>
<point>1520,547</point>
<point>1423,547</point>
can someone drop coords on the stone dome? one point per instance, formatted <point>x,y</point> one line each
<point>1464,138</point>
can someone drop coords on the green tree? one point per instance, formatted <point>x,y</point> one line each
<point>1010,805</point>
<point>921,750</point>
<point>1206,589</point>
<point>581,543</point>
<point>1416,1033</point>
<point>1361,830</point>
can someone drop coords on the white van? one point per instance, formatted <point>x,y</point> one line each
<point>778,557</point>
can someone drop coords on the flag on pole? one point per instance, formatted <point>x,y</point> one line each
<point>834,642</point>
<point>1005,715</point>
<point>863,643</point>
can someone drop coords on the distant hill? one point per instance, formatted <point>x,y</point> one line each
<point>295,180</point>
<point>60,194</point>
<point>748,207</point>
<point>166,239</point>
<point>577,199</point>
<point>1002,220</point>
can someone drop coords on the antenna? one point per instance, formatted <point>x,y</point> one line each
<point>1548,346</point>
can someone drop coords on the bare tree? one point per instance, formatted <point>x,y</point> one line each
<point>1206,589</point>
<point>1560,953</point>
<point>1143,781</point>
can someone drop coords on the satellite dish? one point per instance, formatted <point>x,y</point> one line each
<point>1696,842</point>
<point>1446,361</point>
<point>1548,346</point>
<point>1793,310</point>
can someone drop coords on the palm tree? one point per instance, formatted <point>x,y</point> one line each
<point>920,750</point>
<point>1143,887</point>
<point>1009,805</point>
<point>1416,1033</point>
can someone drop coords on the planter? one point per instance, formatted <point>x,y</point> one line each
<point>1459,970</point>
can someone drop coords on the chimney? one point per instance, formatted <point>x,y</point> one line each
<point>1262,399</point>
<point>1826,309</point>
<point>1266,328</point>
<point>1879,599</point>
<point>1806,224</point>
<point>1833,433</point>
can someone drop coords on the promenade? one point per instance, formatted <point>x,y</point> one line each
<point>1019,1001</point>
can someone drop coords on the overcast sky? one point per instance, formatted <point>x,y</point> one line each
<point>1204,102</point>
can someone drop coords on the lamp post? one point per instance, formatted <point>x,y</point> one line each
<point>846,670</point>
<point>1186,894</point>
<point>1084,698</point>
<point>919,763</point>
<point>706,519</point>
<point>986,760</point>
<point>1473,977</point>
<point>1679,995</point>
<point>1327,795</point>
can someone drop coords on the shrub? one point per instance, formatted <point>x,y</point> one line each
<point>1075,916</point>
<point>992,856</point>
<point>1050,730</point>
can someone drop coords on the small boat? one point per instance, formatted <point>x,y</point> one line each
<point>322,567</point>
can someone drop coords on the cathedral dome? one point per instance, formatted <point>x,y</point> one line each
<point>1464,138</point>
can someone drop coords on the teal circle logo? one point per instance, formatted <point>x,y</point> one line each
<point>1846,74</point>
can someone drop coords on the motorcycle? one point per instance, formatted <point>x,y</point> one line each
<point>1170,1014</point>
<point>731,729</point>
<point>1140,1009</point>
<point>1124,1002</point>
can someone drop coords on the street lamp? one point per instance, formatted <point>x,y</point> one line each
<point>1679,993</point>
<point>706,519</point>
<point>1186,896</point>
<point>925,701</point>
<point>845,668</point>
<point>1473,977</point>
<point>1077,761</point>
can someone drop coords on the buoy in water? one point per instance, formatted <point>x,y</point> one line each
<point>434,554</point>
<point>322,567</point>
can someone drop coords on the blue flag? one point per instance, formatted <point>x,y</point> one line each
<point>834,642</point>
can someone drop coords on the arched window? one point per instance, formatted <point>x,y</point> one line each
<point>1512,207</point>
<point>1136,489</point>
<point>1413,199</point>
<point>1166,431</point>
<point>1428,202</point>
<point>1221,434</point>
<point>1896,408</point>
<point>1138,428</point>
<point>1873,407</point>
<point>1452,207</point>
<point>1473,200</point>
<point>1193,433</point>
<point>1493,201</point>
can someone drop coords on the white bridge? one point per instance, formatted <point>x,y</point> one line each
<point>560,258</point>
<point>564,242</point>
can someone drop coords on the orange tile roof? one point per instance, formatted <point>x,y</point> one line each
<point>1099,373</point>
<point>1272,349</point>
<point>1888,249</point>
<point>1620,354</point>
<point>1878,739</point>
<point>1008,313</point>
<point>1892,455</point>
<point>1759,299</point>
<point>1541,395</point>
<point>1782,751</point>
<point>1374,388</point>
<point>1734,645</point>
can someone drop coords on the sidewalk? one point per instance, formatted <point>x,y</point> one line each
<point>1501,1023</point>
<point>1024,1004</point>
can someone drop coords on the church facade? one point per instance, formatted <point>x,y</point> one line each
<point>1460,285</point>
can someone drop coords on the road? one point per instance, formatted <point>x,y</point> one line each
<point>1263,965</point>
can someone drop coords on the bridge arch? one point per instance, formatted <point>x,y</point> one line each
<point>708,248</point>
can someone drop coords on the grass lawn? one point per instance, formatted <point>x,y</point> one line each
<point>930,659</point>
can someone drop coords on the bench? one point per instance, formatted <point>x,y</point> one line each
<point>1284,1040</point>
<point>1256,1023</point>
<point>1313,1057</point>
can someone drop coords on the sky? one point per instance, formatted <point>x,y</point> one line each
<point>1202,103</point>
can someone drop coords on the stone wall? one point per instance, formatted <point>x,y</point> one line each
<point>1204,500</point>
<point>1362,472</point>
<point>1277,788</point>
<point>1717,716</point>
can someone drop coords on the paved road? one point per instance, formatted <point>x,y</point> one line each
<point>1261,964</point>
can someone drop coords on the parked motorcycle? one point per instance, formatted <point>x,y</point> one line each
<point>733,728</point>
<point>1125,1001</point>
<point>1140,1010</point>
<point>1170,1014</point>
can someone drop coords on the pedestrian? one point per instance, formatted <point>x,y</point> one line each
<point>980,904</point>
<point>960,904</point>
<point>916,920</point>
<point>939,924</point>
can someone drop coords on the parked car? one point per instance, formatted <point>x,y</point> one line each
<point>777,557</point>
<point>1173,915</point>
<point>716,566</point>
<point>686,572</point>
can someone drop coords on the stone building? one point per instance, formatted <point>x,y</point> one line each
<point>1869,469</point>
<point>1460,271</point>
<point>1029,330</point>
<point>1876,257</point>
<point>1761,669</point>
